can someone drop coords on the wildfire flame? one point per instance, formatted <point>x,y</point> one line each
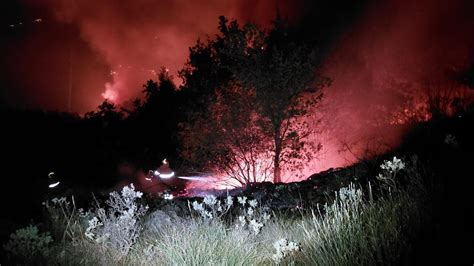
<point>110,93</point>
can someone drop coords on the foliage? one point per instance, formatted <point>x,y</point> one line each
<point>260,106</point>
<point>152,125</point>
<point>284,248</point>
<point>106,114</point>
<point>353,228</point>
<point>229,141</point>
<point>206,243</point>
<point>27,244</point>
<point>212,208</point>
<point>66,222</point>
<point>118,228</point>
<point>353,232</point>
<point>284,76</point>
<point>251,216</point>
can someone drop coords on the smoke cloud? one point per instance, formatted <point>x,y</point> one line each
<point>136,38</point>
<point>386,59</point>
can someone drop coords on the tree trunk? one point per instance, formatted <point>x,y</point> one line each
<point>276,161</point>
<point>276,172</point>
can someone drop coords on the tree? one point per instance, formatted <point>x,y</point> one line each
<point>202,75</point>
<point>278,78</point>
<point>228,139</point>
<point>204,80</point>
<point>153,124</point>
<point>107,114</point>
<point>285,79</point>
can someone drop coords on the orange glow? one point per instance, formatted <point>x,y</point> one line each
<point>110,94</point>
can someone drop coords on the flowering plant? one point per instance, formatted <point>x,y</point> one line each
<point>390,171</point>
<point>284,248</point>
<point>118,228</point>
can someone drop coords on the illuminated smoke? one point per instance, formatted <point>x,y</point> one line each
<point>110,93</point>
<point>387,57</point>
<point>137,37</point>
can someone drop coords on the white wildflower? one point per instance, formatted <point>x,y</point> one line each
<point>256,226</point>
<point>284,248</point>
<point>242,200</point>
<point>129,193</point>
<point>210,200</point>
<point>90,235</point>
<point>59,200</point>
<point>250,211</point>
<point>242,221</point>
<point>381,177</point>
<point>93,224</point>
<point>253,203</point>
<point>450,140</point>
<point>293,246</point>
<point>350,194</point>
<point>229,201</point>
<point>198,206</point>
<point>207,214</point>
<point>393,166</point>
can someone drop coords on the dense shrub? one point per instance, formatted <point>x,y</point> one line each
<point>27,244</point>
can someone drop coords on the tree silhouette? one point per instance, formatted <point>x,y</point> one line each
<point>281,76</point>
<point>228,139</point>
<point>154,121</point>
<point>285,78</point>
<point>107,113</point>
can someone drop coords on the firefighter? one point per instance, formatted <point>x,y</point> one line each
<point>165,171</point>
<point>53,181</point>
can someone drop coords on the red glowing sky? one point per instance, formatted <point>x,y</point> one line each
<point>393,42</point>
<point>112,47</point>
